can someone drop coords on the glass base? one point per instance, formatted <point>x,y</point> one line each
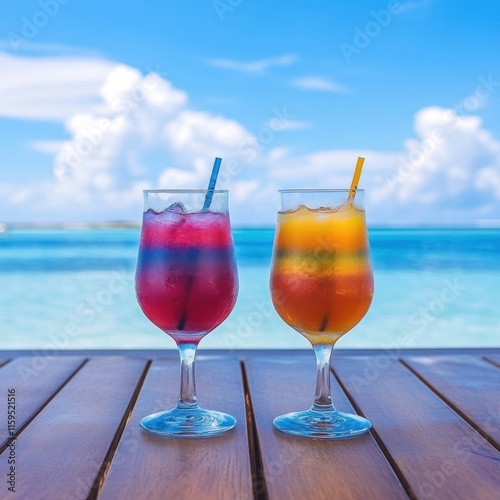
<point>188,423</point>
<point>330,424</point>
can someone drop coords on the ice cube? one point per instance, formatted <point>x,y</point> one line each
<point>177,208</point>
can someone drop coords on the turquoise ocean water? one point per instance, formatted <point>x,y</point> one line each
<point>75,289</point>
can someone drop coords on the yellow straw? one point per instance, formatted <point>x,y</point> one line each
<point>355,177</point>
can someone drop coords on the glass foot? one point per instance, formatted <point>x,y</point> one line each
<point>188,423</point>
<point>322,424</point>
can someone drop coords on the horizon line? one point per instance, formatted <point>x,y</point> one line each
<point>125,224</point>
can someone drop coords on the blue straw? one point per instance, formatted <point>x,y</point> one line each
<point>211,185</point>
<point>208,200</point>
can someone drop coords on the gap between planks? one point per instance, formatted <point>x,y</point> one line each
<point>106,464</point>
<point>42,407</point>
<point>259,485</point>
<point>452,406</point>
<point>397,471</point>
<point>491,361</point>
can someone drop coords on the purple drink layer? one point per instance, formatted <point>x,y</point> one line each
<point>186,281</point>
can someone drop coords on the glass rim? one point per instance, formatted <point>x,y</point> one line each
<point>344,190</point>
<point>154,191</point>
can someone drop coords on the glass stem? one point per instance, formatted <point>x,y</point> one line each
<point>187,396</point>
<point>323,398</point>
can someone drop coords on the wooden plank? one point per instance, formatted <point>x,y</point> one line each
<point>154,467</point>
<point>61,452</point>
<point>437,453</point>
<point>297,468</point>
<point>469,384</point>
<point>34,380</point>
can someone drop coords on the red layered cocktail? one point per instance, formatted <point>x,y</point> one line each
<point>186,280</point>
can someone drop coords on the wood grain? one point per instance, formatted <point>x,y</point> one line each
<point>438,454</point>
<point>298,468</point>
<point>74,414</point>
<point>469,384</point>
<point>60,453</point>
<point>35,381</point>
<point>154,467</point>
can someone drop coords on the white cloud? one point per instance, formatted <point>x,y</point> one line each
<point>176,178</point>
<point>204,134</point>
<point>49,88</point>
<point>317,83</point>
<point>141,132</point>
<point>108,143</point>
<point>449,172</point>
<point>488,179</point>
<point>245,190</point>
<point>258,66</point>
<point>327,168</point>
<point>442,171</point>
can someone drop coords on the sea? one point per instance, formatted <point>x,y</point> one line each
<point>74,289</point>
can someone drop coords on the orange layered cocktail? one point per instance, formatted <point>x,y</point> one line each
<point>321,278</point>
<point>322,286</point>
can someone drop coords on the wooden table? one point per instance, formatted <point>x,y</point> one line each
<point>435,415</point>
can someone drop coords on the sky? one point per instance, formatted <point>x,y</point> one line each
<point>100,100</point>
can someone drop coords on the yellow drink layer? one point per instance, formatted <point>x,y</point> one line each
<point>321,279</point>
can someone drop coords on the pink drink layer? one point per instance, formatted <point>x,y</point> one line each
<point>186,281</point>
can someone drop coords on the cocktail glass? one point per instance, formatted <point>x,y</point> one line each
<point>322,286</point>
<point>186,284</point>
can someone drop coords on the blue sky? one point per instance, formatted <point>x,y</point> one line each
<point>99,100</point>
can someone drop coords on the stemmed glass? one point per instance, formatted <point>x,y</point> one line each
<point>322,286</point>
<point>186,284</point>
